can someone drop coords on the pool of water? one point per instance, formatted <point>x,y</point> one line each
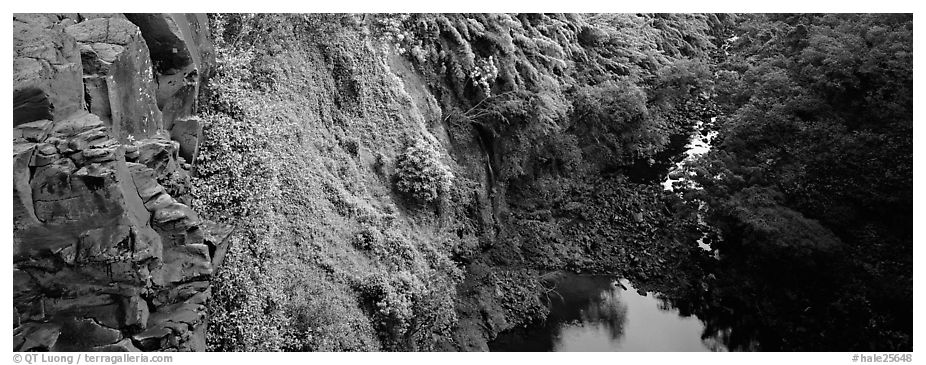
<point>595,313</point>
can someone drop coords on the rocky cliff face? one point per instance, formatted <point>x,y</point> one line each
<point>107,254</point>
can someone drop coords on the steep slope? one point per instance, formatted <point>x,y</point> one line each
<point>412,182</point>
<point>402,182</point>
<point>300,157</point>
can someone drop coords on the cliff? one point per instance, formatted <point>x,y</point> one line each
<point>408,182</point>
<point>405,182</point>
<point>395,182</point>
<point>108,254</point>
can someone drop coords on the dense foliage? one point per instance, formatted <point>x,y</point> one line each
<point>319,260</point>
<point>810,187</point>
<point>528,131</point>
<point>555,101</point>
<point>603,87</point>
<point>421,175</point>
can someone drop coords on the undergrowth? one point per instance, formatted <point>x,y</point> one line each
<point>323,259</point>
<point>315,151</point>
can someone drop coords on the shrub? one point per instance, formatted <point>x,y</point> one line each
<point>233,169</point>
<point>614,125</point>
<point>368,237</point>
<point>407,313</point>
<point>421,176</point>
<point>392,298</point>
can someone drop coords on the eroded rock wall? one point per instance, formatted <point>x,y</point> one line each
<point>182,55</point>
<point>47,76</point>
<point>107,254</point>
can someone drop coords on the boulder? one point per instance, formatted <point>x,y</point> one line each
<point>187,132</point>
<point>178,225</point>
<point>183,264</point>
<point>98,202</point>
<point>159,153</point>
<point>179,326</point>
<point>82,333</point>
<point>135,311</point>
<point>216,236</point>
<point>159,201</point>
<point>153,338</point>
<point>176,213</point>
<point>145,182</point>
<point>75,125</point>
<point>44,155</point>
<point>179,293</point>
<point>162,154</point>
<point>36,336</point>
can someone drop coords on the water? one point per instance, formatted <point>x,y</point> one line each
<point>595,313</point>
<point>699,143</point>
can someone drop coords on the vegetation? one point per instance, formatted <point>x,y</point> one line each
<point>814,174</point>
<point>527,132</point>
<point>421,175</point>
<point>524,81</point>
<point>320,260</point>
<point>615,124</point>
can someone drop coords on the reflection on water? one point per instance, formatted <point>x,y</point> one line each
<point>594,313</point>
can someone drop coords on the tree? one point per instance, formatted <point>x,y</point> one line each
<point>814,169</point>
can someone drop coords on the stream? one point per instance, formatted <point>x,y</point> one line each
<point>699,143</point>
<point>600,313</point>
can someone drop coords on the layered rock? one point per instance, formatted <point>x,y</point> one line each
<point>107,254</point>
<point>182,55</point>
<point>187,131</point>
<point>47,72</point>
<point>102,253</point>
<point>118,77</point>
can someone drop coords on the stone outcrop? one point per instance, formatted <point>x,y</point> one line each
<point>182,55</point>
<point>102,253</point>
<point>188,132</point>
<point>118,78</point>
<point>107,254</point>
<point>47,73</point>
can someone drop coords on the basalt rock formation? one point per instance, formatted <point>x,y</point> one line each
<point>182,55</point>
<point>108,255</point>
<point>47,59</point>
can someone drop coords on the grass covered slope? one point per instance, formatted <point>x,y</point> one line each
<point>407,182</point>
<point>305,123</point>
